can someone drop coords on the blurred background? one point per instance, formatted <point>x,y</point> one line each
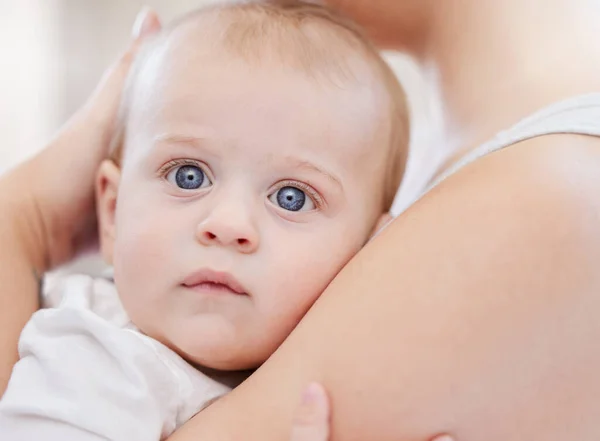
<point>53,53</point>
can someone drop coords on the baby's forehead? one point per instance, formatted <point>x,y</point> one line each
<point>215,44</point>
<point>306,39</point>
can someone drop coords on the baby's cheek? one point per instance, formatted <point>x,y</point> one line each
<point>301,277</point>
<point>139,253</point>
<point>296,283</point>
<point>139,234</point>
<point>141,258</point>
<point>142,229</point>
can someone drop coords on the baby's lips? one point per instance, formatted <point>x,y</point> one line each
<point>207,275</point>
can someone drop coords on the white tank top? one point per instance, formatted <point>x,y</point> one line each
<point>577,115</point>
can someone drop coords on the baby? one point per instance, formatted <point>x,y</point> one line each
<point>261,146</point>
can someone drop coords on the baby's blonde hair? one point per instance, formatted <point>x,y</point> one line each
<point>303,36</point>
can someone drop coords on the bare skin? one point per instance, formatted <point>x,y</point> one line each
<point>474,313</point>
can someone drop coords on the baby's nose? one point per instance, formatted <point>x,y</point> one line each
<point>241,236</point>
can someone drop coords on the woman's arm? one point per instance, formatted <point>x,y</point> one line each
<point>475,314</point>
<point>47,204</point>
<point>19,272</point>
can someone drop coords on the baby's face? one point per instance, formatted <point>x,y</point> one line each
<point>243,191</point>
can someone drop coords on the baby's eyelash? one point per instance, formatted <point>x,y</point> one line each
<point>312,193</point>
<point>165,169</point>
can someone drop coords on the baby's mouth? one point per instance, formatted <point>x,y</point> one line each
<point>213,287</point>
<point>213,282</point>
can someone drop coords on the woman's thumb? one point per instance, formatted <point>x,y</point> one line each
<point>311,420</point>
<point>105,100</point>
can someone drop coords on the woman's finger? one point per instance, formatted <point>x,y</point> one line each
<point>311,421</point>
<point>104,102</point>
<point>443,438</point>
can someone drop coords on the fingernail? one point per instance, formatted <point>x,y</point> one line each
<point>141,22</point>
<point>311,394</point>
<point>445,438</point>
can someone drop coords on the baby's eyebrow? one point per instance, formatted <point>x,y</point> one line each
<point>205,142</point>
<point>193,141</point>
<point>307,165</point>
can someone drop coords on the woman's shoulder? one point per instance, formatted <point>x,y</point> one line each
<point>560,173</point>
<point>534,205</point>
<point>561,169</point>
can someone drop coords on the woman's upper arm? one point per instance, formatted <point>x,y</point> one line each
<point>475,313</point>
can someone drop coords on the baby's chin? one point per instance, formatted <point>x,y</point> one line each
<point>213,343</point>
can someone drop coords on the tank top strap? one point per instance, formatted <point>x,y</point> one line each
<point>577,115</point>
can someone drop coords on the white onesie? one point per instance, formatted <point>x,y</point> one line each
<point>86,373</point>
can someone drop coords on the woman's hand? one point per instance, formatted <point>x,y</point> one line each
<point>311,421</point>
<point>47,212</point>
<point>54,191</point>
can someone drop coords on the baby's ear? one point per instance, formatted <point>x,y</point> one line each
<point>107,188</point>
<point>384,219</point>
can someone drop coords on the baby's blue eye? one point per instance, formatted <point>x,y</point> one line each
<point>292,199</point>
<point>188,177</point>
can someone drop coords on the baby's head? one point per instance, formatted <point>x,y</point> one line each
<point>261,146</point>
